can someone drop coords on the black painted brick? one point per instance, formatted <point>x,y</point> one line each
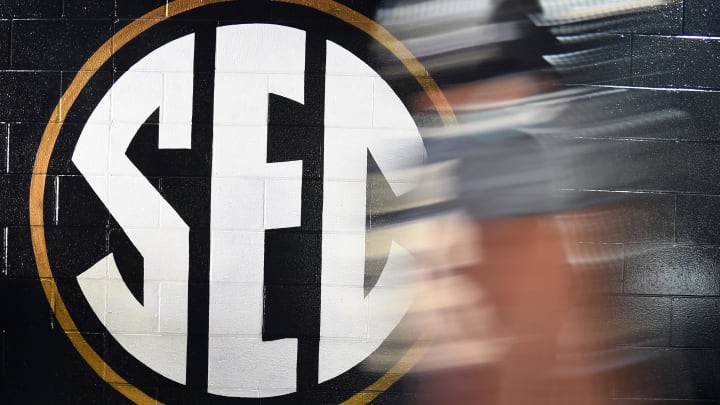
<point>52,367</point>
<point>641,321</point>
<point>81,392</point>
<point>30,370</point>
<point>704,162</point>
<point>84,317</point>
<point>294,251</point>
<point>671,270</point>
<point>4,44</point>
<point>3,369</point>
<point>698,219</point>
<point>676,166</point>
<point>663,19</point>
<point>61,160</point>
<point>291,320</point>
<point>663,62</point>
<point>676,161</point>
<point>21,260</point>
<point>77,204</point>
<point>3,256</point>
<point>136,9</point>
<point>14,191</point>
<point>187,194</point>
<point>125,57</point>
<point>80,375</point>
<point>696,322</point>
<point>72,250</point>
<point>55,44</point>
<point>24,139</point>
<point>31,8</point>
<point>670,374</point>
<point>702,17</point>
<point>3,148</point>
<point>29,96</point>
<point>700,119</point>
<point>34,313</point>
<point>650,217</point>
<point>86,102</point>
<point>127,257</point>
<point>89,9</point>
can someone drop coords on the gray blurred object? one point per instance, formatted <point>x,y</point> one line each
<point>467,40</point>
<point>517,155</point>
<point>529,150</point>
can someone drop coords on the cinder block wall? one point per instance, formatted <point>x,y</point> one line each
<point>667,287</point>
<point>668,295</point>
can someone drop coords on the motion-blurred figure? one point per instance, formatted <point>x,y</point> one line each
<point>509,302</point>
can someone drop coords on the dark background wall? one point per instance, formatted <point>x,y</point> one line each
<point>665,298</point>
<point>667,288</point>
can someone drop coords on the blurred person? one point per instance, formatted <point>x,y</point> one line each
<point>511,317</point>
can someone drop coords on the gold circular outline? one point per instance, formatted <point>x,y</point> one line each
<point>52,131</point>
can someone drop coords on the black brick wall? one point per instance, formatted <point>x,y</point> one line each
<point>667,288</point>
<point>667,306</point>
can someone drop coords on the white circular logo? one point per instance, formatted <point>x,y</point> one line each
<point>216,176</point>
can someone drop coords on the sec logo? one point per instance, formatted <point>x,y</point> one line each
<point>226,163</point>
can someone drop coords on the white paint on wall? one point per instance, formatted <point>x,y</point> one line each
<point>136,205</point>
<point>248,197</point>
<point>246,48</point>
<point>347,316</point>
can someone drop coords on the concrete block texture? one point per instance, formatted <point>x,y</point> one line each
<point>662,61</point>
<point>208,234</point>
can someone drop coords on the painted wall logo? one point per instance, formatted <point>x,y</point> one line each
<point>227,168</point>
